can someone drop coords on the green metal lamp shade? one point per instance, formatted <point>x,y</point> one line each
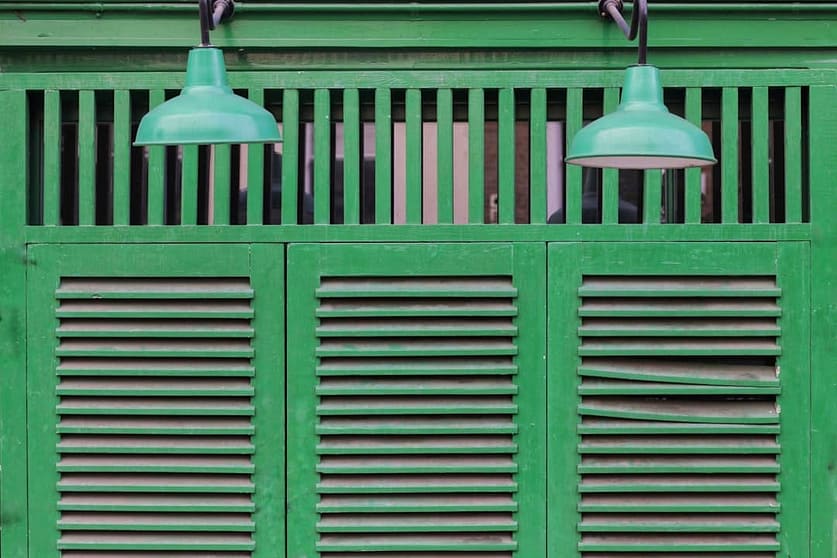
<point>641,133</point>
<point>207,111</point>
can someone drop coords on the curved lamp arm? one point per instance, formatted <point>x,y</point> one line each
<point>639,22</point>
<point>210,18</point>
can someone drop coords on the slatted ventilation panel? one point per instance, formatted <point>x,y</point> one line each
<point>487,149</point>
<point>416,417</point>
<point>679,417</point>
<point>155,417</point>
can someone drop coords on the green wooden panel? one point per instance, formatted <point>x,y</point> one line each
<point>444,163</point>
<point>572,188</point>
<point>352,156</point>
<point>255,171</point>
<point>52,158</point>
<point>290,156</point>
<point>823,130</point>
<point>222,185</point>
<point>693,199</point>
<point>505,156</point>
<point>610,177</point>
<point>476,156</point>
<point>603,277</point>
<point>434,399</point>
<point>322,156</point>
<point>189,185</point>
<point>156,169</point>
<point>413,164</point>
<point>793,155</point>
<point>761,190</point>
<point>652,196</point>
<point>13,295</point>
<point>383,156</point>
<point>121,157</point>
<point>86,158</point>
<point>729,155</point>
<point>129,455</point>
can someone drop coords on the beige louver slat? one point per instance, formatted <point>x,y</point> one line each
<point>155,417</point>
<point>679,421</point>
<point>416,417</point>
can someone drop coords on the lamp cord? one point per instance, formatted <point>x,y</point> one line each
<point>639,22</point>
<point>221,11</point>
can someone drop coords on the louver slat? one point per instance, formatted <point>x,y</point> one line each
<point>155,417</point>
<point>416,417</point>
<point>678,416</point>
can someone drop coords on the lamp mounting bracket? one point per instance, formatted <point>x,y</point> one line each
<point>213,12</point>
<point>638,26</point>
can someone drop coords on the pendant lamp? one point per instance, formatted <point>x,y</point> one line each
<point>207,111</point>
<point>641,133</point>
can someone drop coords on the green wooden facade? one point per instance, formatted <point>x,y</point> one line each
<point>410,330</point>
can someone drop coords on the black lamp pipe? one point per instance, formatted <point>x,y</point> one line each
<point>639,22</point>
<point>221,10</point>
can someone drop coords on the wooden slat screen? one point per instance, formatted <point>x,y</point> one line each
<point>415,155</point>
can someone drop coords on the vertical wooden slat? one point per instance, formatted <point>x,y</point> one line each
<point>652,201</point>
<point>121,157</point>
<point>537,157</point>
<point>610,177</point>
<point>572,188</point>
<point>476,156</point>
<point>413,149</point>
<point>156,169</point>
<point>189,185</point>
<point>86,157</point>
<point>505,157</point>
<point>351,156</point>
<point>444,165</point>
<point>255,171</point>
<point>729,157</point>
<point>290,156</point>
<point>760,153</point>
<point>793,155</point>
<point>222,186</point>
<point>693,186</point>
<point>322,156</point>
<point>383,156</point>
<point>52,158</point>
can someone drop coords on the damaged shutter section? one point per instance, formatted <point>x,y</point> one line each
<point>155,417</point>
<point>678,416</point>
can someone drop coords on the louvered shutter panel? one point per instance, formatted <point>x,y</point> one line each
<point>679,420</point>
<point>154,384</point>
<point>413,390</point>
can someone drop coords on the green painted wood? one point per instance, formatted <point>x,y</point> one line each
<point>121,157</point>
<point>383,156</point>
<point>413,150</point>
<point>222,185</point>
<point>52,158</point>
<point>693,198</point>
<point>652,196</point>
<point>444,161</point>
<point>823,415</point>
<point>506,123</point>
<point>86,158</point>
<point>393,25</point>
<point>322,156</point>
<point>793,155</point>
<point>189,185</point>
<point>420,233</point>
<point>761,191</point>
<point>255,170</point>
<point>795,399</point>
<point>156,169</point>
<point>572,187</point>
<point>14,508</point>
<point>352,156</point>
<point>537,156</point>
<point>267,271</point>
<point>312,265</point>
<point>610,177</point>
<point>729,155</point>
<point>563,399</point>
<point>430,78</point>
<point>290,153</point>
<point>476,156</point>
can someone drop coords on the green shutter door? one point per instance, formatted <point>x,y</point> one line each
<point>155,373</point>
<point>684,370</point>
<point>416,400</point>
